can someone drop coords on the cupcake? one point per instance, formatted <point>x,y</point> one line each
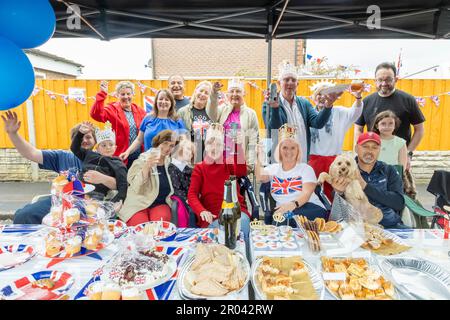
<point>91,242</point>
<point>111,291</point>
<point>71,216</point>
<point>73,245</point>
<point>131,293</point>
<point>56,213</point>
<point>52,246</point>
<point>91,210</point>
<point>95,290</point>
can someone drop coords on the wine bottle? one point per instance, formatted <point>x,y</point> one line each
<point>227,227</point>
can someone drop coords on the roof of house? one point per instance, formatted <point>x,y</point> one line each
<point>52,56</point>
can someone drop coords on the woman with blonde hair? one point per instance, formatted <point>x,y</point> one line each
<point>292,183</point>
<point>162,117</point>
<point>200,113</point>
<point>125,116</point>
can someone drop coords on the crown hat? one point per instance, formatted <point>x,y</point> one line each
<point>287,131</point>
<point>235,83</point>
<point>106,134</point>
<point>286,68</point>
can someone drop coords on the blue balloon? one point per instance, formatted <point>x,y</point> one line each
<point>16,75</point>
<point>27,23</point>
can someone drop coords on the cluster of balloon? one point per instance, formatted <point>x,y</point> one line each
<point>24,24</point>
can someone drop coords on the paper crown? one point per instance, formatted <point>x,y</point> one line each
<point>106,134</point>
<point>322,84</point>
<point>287,131</point>
<point>235,83</point>
<point>286,68</point>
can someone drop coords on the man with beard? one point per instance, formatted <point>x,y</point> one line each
<point>176,87</point>
<point>381,182</point>
<point>401,103</point>
<point>54,160</point>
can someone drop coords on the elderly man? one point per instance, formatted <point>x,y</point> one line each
<point>54,160</point>
<point>297,111</point>
<point>381,182</point>
<point>237,115</point>
<point>176,86</point>
<point>401,103</point>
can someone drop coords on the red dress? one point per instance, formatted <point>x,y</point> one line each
<point>113,113</point>
<point>206,189</point>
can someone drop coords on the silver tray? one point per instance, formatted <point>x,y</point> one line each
<point>316,280</point>
<point>417,279</point>
<point>184,288</point>
<point>372,265</point>
<point>390,235</point>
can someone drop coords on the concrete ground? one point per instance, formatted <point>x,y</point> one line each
<point>14,195</point>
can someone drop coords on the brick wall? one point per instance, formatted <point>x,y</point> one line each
<point>54,75</point>
<point>13,167</point>
<point>425,162</point>
<point>215,57</point>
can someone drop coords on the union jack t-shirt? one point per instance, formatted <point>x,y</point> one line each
<point>287,186</point>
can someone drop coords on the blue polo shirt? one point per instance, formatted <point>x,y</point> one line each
<point>59,160</point>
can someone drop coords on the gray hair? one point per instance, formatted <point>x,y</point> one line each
<point>125,85</point>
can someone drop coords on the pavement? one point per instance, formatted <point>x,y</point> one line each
<point>15,195</point>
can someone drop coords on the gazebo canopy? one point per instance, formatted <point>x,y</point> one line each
<point>263,19</point>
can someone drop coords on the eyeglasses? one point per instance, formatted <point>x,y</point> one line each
<point>388,80</point>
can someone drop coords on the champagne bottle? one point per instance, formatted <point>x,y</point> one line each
<point>226,218</point>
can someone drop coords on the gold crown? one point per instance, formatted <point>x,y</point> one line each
<point>106,134</point>
<point>321,85</point>
<point>287,131</point>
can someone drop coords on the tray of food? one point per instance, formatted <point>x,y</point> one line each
<point>416,278</point>
<point>158,230</point>
<point>213,272</point>
<point>383,242</point>
<point>355,279</point>
<point>286,278</point>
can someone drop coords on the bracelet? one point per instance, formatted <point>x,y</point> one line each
<point>359,98</point>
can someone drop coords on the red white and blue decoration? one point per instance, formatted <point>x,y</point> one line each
<point>24,288</point>
<point>286,186</point>
<point>17,248</point>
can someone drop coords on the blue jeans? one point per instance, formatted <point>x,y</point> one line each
<point>33,213</point>
<point>245,225</point>
<point>309,210</point>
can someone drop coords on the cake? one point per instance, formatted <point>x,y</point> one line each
<point>111,291</point>
<point>95,290</point>
<point>71,216</point>
<point>56,213</point>
<point>52,245</point>
<point>73,245</point>
<point>91,242</point>
<point>131,293</point>
<point>91,210</point>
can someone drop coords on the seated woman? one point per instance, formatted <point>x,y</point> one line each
<point>292,183</point>
<point>150,188</point>
<point>180,171</point>
<point>205,193</point>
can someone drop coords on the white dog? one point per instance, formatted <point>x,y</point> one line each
<point>345,167</point>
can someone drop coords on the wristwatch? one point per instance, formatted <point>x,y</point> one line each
<point>410,154</point>
<point>297,205</point>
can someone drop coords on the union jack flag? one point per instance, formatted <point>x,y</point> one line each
<point>286,186</point>
<point>149,102</point>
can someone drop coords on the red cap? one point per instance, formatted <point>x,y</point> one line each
<point>369,136</point>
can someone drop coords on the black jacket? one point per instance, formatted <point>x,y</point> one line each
<point>110,166</point>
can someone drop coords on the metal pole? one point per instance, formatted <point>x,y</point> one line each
<point>32,137</point>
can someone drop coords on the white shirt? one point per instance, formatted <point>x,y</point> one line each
<point>328,140</point>
<point>286,186</point>
<point>179,164</point>
<point>294,117</point>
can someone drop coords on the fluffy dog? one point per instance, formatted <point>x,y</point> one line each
<point>345,167</point>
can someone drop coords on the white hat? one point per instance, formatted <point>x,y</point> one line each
<point>286,68</point>
<point>235,83</point>
<point>106,134</point>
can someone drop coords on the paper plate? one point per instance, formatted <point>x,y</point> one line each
<point>23,288</point>
<point>166,231</point>
<point>335,89</point>
<point>117,227</point>
<point>14,255</point>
